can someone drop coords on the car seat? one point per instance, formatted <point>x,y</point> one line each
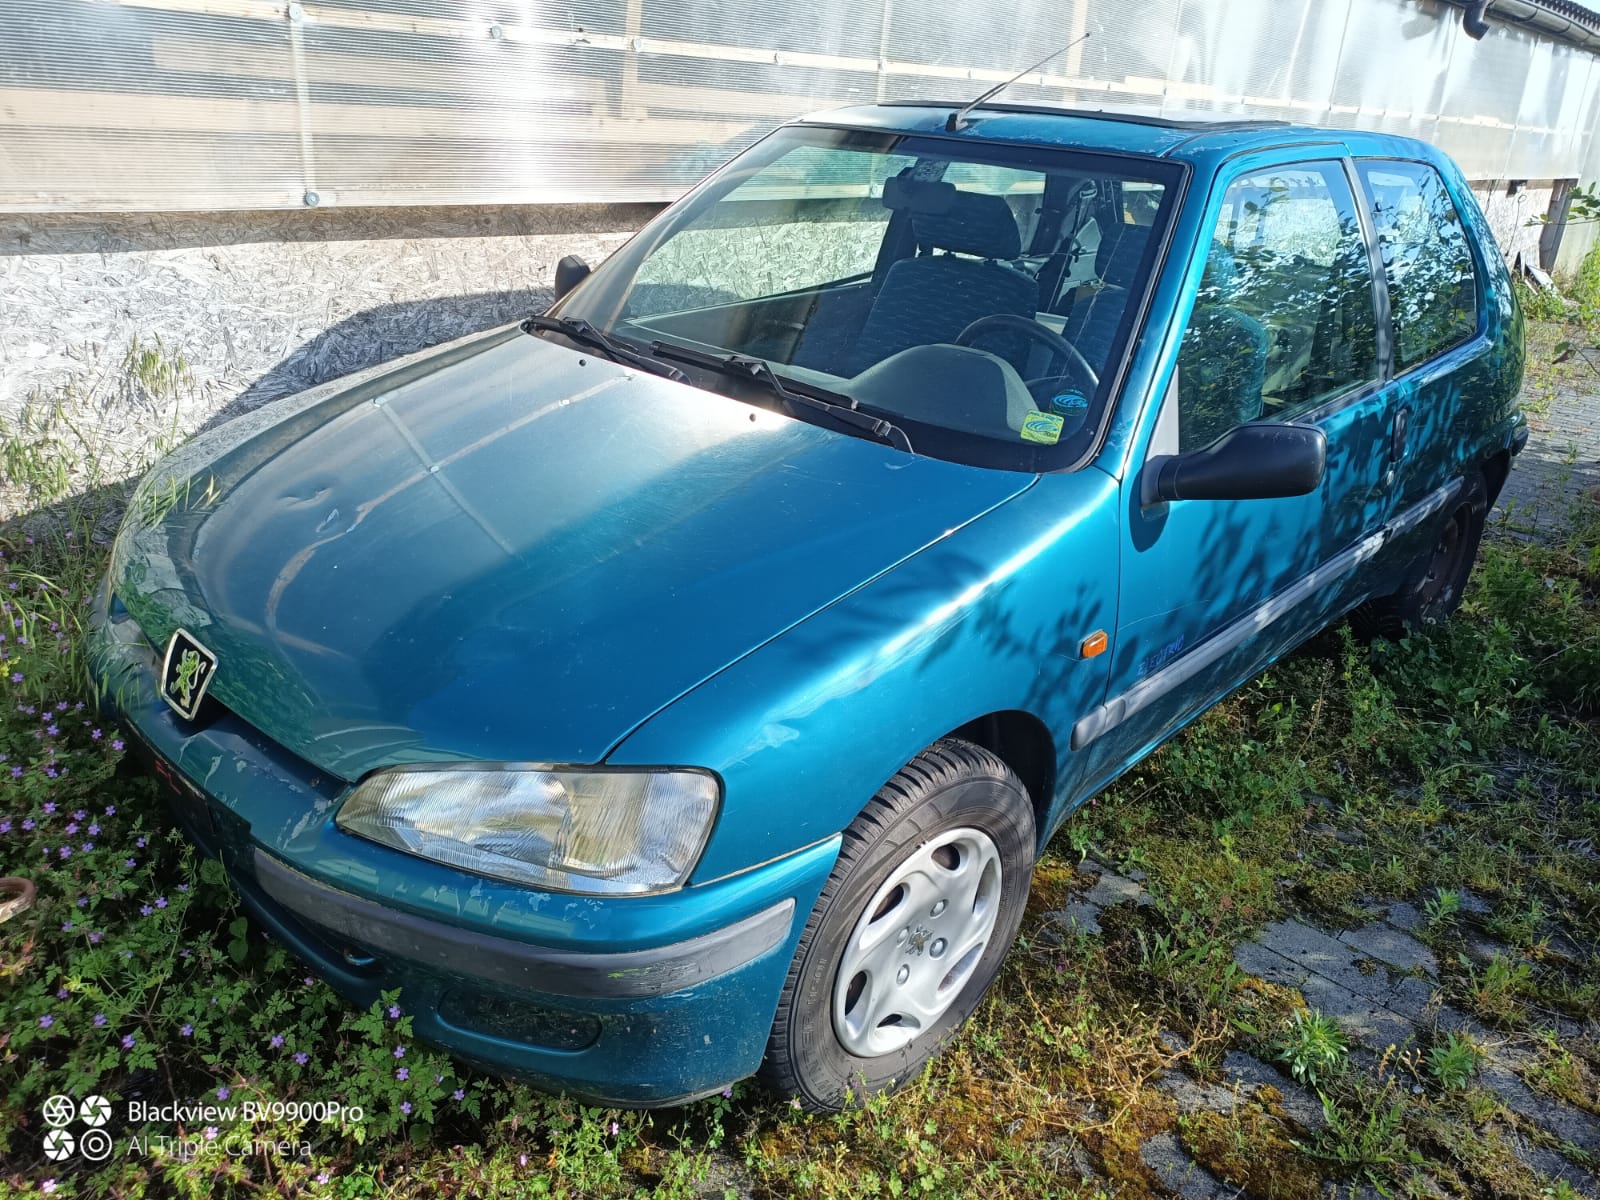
<point>959,274</point>
<point>1222,362</point>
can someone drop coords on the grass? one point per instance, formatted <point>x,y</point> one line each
<point>1460,772</point>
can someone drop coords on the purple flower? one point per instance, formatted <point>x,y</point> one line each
<point>49,1185</point>
<point>72,828</point>
<point>399,1051</point>
<point>49,806</point>
<point>140,843</point>
<point>277,1041</point>
<point>394,1012</point>
<point>116,743</point>
<point>727,1093</point>
<point>161,901</point>
<point>128,1040</point>
<point>86,847</point>
<point>211,1130</point>
<point>111,810</point>
<point>16,676</point>
<point>99,1020</point>
<point>129,863</point>
<point>301,1057</point>
<point>403,1074</point>
<point>613,1129</point>
<point>145,910</point>
<point>66,927</point>
<point>79,815</point>
<point>53,730</point>
<point>322,1177</point>
<point>94,829</point>
<point>27,822</point>
<point>51,772</point>
<point>459,1094</point>
<point>95,735</point>
<point>83,902</point>
<point>66,852</point>
<point>183,887</point>
<point>405,1107</point>
<point>94,938</point>
<point>5,826</point>
<point>46,1021</point>
<point>16,773</point>
<point>224,1092</point>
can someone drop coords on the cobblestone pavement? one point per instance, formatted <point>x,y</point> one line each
<point>1379,981</point>
<point>1562,459</point>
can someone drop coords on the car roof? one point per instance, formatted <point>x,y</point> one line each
<point>1191,138</point>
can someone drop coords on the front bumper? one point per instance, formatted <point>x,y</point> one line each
<point>644,1001</point>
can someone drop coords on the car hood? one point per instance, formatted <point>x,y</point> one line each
<point>509,551</point>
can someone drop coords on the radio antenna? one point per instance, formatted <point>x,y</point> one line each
<point>958,120</point>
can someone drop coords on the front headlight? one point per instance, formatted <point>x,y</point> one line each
<point>604,832</point>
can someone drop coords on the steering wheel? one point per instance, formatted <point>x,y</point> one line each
<point>1048,338</point>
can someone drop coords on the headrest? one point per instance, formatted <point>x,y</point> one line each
<point>944,216</point>
<point>1220,279</point>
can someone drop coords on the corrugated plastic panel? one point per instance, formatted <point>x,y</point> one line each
<point>219,104</point>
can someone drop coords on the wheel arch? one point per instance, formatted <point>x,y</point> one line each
<point>1025,744</point>
<point>1496,469</point>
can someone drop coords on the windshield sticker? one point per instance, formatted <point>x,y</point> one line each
<point>1042,427</point>
<point>1069,404</point>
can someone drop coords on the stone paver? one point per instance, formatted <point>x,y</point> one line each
<point>1380,983</point>
<point>1393,946</point>
<point>1556,1166</point>
<point>1251,1074</point>
<point>1180,1173</point>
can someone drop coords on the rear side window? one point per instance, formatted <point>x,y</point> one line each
<point>1433,288</point>
<point>1284,319</point>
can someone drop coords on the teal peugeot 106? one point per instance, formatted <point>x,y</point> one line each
<point>681,684</point>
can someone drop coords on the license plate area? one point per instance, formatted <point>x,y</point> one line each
<point>188,801</point>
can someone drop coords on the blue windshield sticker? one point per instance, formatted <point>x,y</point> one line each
<point>1069,403</point>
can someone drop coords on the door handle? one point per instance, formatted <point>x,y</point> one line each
<point>1398,433</point>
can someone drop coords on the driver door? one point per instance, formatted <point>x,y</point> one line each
<point>1284,327</point>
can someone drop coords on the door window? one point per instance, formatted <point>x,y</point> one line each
<point>1284,319</point>
<point>1433,288</point>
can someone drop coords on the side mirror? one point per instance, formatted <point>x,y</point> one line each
<point>1252,462</point>
<point>570,272</point>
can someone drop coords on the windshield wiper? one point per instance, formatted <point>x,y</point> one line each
<point>586,334</point>
<point>792,394</point>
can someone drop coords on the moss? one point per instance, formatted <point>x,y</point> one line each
<point>1251,1149</point>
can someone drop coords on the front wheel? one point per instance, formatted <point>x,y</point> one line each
<point>910,930</point>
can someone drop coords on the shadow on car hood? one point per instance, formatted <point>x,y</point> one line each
<point>508,551</point>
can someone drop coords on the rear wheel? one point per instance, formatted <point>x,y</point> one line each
<point>910,931</point>
<point>1434,583</point>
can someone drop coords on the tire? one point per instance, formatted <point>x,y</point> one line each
<point>910,930</point>
<point>1434,582</point>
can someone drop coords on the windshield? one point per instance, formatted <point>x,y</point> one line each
<point>979,296</point>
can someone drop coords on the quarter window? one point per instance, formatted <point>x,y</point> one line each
<point>1433,287</point>
<point>1284,319</point>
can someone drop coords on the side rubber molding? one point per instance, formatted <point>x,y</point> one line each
<point>1113,712</point>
